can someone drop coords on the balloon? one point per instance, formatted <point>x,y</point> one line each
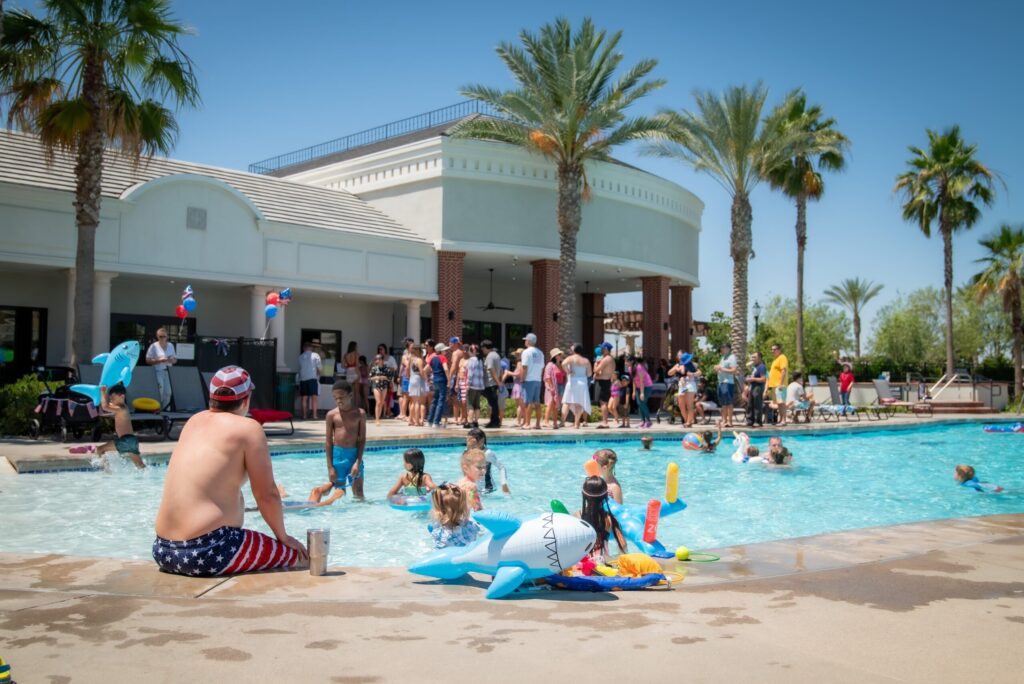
<point>190,304</point>
<point>286,294</point>
<point>181,311</point>
<point>273,298</point>
<point>271,310</point>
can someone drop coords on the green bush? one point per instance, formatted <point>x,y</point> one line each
<point>17,403</point>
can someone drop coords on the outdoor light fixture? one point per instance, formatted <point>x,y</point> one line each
<point>451,315</point>
<point>757,315</point>
<point>554,317</point>
<point>664,326</point>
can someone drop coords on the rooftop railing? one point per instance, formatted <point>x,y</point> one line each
<point>373,135</point>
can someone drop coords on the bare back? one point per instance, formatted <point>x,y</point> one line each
<point>202,490</point>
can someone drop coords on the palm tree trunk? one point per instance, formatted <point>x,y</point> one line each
<point>569,215</point>
<point>856,334</point>
<point>947,252</point>
<point>801,245</point>
<point>88,183</point>
<point>739,246</point>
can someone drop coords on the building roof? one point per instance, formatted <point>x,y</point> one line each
<point>23,161</point>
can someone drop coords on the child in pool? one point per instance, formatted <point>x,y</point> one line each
<point>647,441</point>
<point>711,440</point>
<point>595,511</point>
<point>477,439</point>
<point>474,465</point>
<point>744,451</point>
<point>965,475</point>
<point>127,444</point>
<point>413,481</point>
<point>606,459</point>
<point>346,439</point>
<point>450,511</point>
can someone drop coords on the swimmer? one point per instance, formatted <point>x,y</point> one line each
<point>606,459</point>
<point>965,475</point>
<point>777,455</point>
<point>595,511</point>
<point>414,481</point>
<point>126,445</point>
<point>710,440</point>
<point>346,439</point>
<point>477,439</point>
<point>474,466</point>
<point>647,441</point>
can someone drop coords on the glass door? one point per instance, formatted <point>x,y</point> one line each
<point>22,341</point>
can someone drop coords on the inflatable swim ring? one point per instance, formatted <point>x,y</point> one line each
<point>410,502</point>
<point>601,583</point>
<point>693,442</point>
<point>1005,427</point>
<point>146,405</point>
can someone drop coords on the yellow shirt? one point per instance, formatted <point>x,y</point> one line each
<point>780,364</point>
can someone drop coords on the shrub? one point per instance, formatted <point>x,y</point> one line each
<point>17,404</point>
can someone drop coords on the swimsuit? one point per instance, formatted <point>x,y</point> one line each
<point>342,459</point>
<point>128,444</point>
<point>224,551</point>
<point>460,535</point>
<point>384,383</point>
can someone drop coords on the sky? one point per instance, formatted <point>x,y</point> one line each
<point>273,81</point>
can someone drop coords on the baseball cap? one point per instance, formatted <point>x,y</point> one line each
<point>606,345</point>
<point>231,383</point>
<point>455,340</point>
<point>531,338</point>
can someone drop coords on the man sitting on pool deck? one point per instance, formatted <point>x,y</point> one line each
<point>199,524</point>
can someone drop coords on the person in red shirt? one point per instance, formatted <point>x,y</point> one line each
<point>845,383</point>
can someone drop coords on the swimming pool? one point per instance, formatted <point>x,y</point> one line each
<point>841,481</point>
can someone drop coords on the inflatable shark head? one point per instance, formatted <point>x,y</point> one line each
<point>117,367</point>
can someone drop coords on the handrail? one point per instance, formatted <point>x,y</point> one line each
<point>956,377</point>
<point>373,135</point>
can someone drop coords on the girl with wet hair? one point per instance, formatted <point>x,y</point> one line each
<point>595,512</point>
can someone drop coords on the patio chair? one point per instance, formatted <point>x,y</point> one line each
<point>836,408</point>
<point>261,416</point>
<point>143,384</point>
<point>889,403</point>
<point>188,394</point>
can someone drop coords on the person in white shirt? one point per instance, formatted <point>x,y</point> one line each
<point>310,365</point>
<point>796,397</point>
<point>161,356</point>
<point>533,362</point>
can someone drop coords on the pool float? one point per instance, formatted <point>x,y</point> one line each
<point>117,368</point>
<point>515,551</point>
<point>693,442</point>
<point>742,442</point>
<point>146,405</point>
<point>602,583</point>
<point>410,502</point>
<point>1004,427</point>
<point>634,519</point>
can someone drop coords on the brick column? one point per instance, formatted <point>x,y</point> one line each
<point>446,312</point>
<point>545,303</point>
<point>655,293</point>
<point>681,318</point>
<point>592,315</point>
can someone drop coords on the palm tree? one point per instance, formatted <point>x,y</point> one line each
<point>727,139</point>
<point>799,177</point>
<point>853,294</point>
<point>88,75</point>
<point>944,183</point>
<point>1004,274</point>
<point>567,107</point>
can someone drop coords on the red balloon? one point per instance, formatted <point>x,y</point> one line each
<point>273,298</point>
<point>182,313</point>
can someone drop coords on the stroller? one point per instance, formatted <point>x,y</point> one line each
<point>61,411</point>
<point>669,404</point>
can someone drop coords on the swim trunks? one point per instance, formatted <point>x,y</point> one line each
<point>342,458</point>
<point>225,551</point>
<point>604,390</point>
<point>128,444</point>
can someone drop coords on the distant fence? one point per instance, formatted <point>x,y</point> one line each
<point>257,356</point>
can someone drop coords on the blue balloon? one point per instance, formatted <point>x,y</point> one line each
<point>271,310</point>
<point>189,304</point>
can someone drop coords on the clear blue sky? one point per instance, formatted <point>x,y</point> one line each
<point>275,80</point>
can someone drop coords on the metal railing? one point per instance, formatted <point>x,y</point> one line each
<point>946,380</point>
<point>373,135</point>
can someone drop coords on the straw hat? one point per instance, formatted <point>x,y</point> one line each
<point>555,352</point>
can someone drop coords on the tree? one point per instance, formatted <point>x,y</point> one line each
<point>726,139</point>
<point>1003,275</point>
<point>821,148</point>
<point>945,184</point>
<point>827,331</point>
<point>568,108</point>
<point>89,74</point>
<point>853,294</point>
<point>906,327</point>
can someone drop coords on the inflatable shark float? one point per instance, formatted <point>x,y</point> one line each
<point>117,367</point>
<point>515,550</point>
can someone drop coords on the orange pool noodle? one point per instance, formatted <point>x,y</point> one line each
<point>651,521</point>
<point>592,468</point>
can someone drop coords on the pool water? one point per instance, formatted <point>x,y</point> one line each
<point>839,482</point>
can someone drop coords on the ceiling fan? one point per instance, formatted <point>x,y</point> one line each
<point>490,299</point>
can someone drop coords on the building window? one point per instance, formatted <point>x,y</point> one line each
<point>514,334</point>
<point>22,342</point>
<point>327,343</point>
<point>143,327</point>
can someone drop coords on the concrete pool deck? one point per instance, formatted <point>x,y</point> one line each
<point>26,455</point>
<point>934,601</point>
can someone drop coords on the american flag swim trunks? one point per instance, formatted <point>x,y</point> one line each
<point>225,551</point>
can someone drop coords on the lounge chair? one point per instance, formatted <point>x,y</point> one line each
<point>837,409</point>
<point>189,396</point>
<point>889,403</point>
<point>143,384</point>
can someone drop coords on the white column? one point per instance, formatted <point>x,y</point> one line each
<point>412,319</point>
<point>258,305</point>
<point>69,351</point>
<point>277,330</point>
<point>101,312</point>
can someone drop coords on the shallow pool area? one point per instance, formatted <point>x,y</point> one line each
<point>840,481</point>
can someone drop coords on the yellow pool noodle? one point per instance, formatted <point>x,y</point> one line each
<point>672,482</point>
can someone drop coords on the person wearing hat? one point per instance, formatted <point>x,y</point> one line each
<point>727,370</point>
<point>687,371</point>
<point>533,378</point>
<point>439,371</point>
<point>554,385</point>
<point>199,524</point>
<point>604,373</point>
<point>310,365</point>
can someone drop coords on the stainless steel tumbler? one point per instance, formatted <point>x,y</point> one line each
<point>319,543</point>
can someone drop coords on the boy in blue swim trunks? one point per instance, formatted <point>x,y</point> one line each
<point>346,439</point>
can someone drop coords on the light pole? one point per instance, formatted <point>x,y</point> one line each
<point>757,317</point>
